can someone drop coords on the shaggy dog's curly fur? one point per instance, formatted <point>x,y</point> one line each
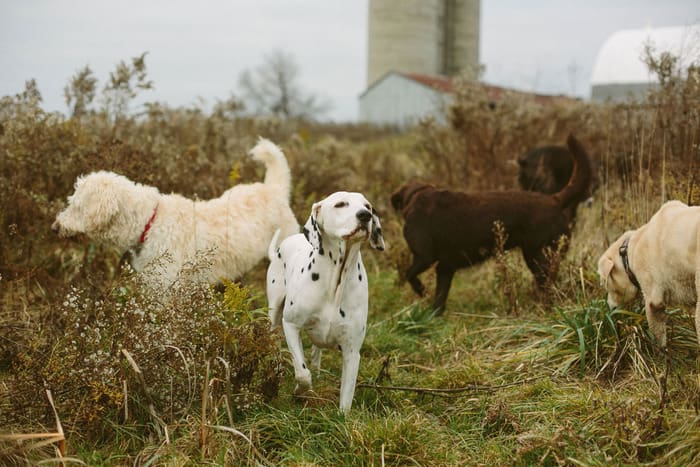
<point>230,233</point>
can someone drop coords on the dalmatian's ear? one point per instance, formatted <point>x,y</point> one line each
<point>312,229</point>
<point>376,240</point>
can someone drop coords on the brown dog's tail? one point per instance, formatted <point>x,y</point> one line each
<point>577,189</point>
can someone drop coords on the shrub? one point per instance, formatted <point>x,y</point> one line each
<point>90,347</point>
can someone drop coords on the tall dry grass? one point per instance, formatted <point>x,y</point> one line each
<point>69,313</point>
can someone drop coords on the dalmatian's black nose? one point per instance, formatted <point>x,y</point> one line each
<point>364,215</point>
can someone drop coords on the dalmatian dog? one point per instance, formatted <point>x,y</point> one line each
<point>316,282</point>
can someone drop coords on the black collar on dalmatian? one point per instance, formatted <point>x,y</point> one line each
<point>626,262</point>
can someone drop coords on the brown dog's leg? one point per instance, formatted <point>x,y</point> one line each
<point>442,288</point>
<point>537,264</point>
<point>416,268</point>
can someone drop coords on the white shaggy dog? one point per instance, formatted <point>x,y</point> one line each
<point>661,259</point>
<point>316,281</point>
<point>231,232</point>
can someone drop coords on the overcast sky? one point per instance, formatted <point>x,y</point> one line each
<point>198,48</point>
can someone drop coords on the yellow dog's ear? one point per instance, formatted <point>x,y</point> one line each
<point>605,266</point>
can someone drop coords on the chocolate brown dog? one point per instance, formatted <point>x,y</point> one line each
<point>455,229</point>
<point>546,169</point>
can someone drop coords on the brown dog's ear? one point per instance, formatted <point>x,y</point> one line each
<point>397,199</point>
<point>404,195</point>
<point>605,266</point>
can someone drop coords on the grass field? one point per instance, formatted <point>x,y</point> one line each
<point>95,371</point>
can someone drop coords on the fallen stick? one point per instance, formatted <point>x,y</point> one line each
<point>448,391</point>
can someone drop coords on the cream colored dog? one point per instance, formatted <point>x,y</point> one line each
<point>662,260</point>
<point>165,232</point>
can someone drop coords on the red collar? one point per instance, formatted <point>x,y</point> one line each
<point>148,225</point>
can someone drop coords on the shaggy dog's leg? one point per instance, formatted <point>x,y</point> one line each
<point>442,288</point>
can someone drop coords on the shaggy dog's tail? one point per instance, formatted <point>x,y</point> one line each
<point>276,168</point>
<point>272,249</point>
<point>576,190</point>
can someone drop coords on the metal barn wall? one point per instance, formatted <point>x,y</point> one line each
<point>399,101</point>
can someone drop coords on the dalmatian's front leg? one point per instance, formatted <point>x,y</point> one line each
<point>351,366</point>
<point>301,372</point>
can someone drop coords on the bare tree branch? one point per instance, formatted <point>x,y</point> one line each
<point>273,88</point>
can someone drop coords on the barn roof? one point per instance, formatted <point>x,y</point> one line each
<point>620,59</point>
<point>446,85</point>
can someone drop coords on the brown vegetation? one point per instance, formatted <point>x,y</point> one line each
<point>68,310</point>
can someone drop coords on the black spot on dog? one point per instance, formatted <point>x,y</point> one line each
<point>340,348</point>
<point>320,251</point>
<point>302,270</point>
<point>311,253</point>
<point>291,303</point>
<point>279,255</point>
<point>303,365</point>
<point>358,266</point>
<point>309,267</point>
<point>342,313</point>
<point>273,281</point>
<point>314,276</point>
<point>359,276</point>
<point>305,231</point>
<point>330,254</point>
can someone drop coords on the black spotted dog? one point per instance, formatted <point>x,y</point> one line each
<point>316,281</point>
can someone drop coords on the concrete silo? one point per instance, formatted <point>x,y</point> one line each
<point>432,37</point>
<point>461,49</point>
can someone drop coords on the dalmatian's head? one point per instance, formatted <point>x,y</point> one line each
<point>346,216</point>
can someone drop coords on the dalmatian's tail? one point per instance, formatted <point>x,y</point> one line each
<point>277,170</point>
<point>272,249</point>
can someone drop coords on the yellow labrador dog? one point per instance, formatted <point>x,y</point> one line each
<point>662,260</point>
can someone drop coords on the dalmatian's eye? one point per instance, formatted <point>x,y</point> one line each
<point>341,204</point>
<point>368,207</point>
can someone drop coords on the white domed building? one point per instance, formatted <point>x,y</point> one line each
<point>620,71</point>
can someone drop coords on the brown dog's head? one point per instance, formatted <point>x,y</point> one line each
<point>405,193</point>
<point>613,276</point>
